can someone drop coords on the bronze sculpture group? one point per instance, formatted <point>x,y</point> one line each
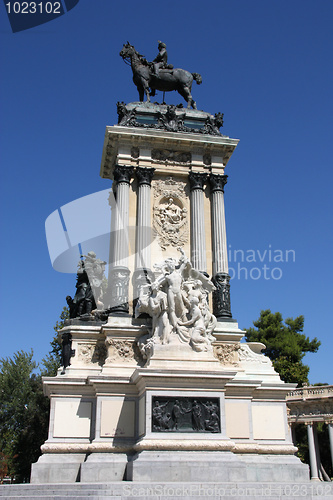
<point>181,414</point>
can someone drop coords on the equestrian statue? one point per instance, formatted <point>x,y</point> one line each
<point>158,75</point>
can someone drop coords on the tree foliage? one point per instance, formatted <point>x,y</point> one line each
<point>52,360</point>
<point>285,343</point>
<point>24,410</point>
<point>23,414</point>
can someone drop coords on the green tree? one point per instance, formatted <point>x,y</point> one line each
<point>285,343</point>
<point>23,414</point>
<point>52,361</point>
<point>24,410</point>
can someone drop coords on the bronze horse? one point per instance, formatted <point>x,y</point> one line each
<point>166,80</point>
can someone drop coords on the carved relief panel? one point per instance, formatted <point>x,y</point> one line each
<point>92,353</point>
<point>122,351</point>
<point>183,414</point>
<point>170,212</point>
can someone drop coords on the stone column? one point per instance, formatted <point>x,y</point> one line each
<point>221,278</point>
<point>316,442</point>
<point>198,233</point>
<point>312,453</point>
<point>119,272</point>
<point>330,437</point>
<point>143,232</point>
<point>293,433</point>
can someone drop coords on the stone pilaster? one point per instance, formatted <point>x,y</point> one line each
<point>119,272</point>
<point>143,274</point>
<point>221,278</point>
<point>198,238</point>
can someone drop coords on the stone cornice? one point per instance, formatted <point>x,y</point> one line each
<point>218,148</point>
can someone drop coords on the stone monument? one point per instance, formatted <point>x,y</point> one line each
<point>156,384</point>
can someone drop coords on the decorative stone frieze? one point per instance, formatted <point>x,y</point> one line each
<point>227,354</point>
<point>92,353</point>
<point>170,118</point>
<point>121,350</point>
<point>207,159</point>
<point>135,152</point>
<point>171,156</point>
<point>246,354</point>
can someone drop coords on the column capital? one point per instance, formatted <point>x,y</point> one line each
<point>144,175</point>
<point>122,173</point>
<point>217,182</point>
<point>197,180</point>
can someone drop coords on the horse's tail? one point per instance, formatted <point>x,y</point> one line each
<point>197,78</point>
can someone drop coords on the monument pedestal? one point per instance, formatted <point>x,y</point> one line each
<point>102,425</point>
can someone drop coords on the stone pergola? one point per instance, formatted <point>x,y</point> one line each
<point>309,405</point>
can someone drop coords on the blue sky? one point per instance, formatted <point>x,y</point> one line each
<point>265,64</point>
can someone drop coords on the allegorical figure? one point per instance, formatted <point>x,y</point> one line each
<point>199,340</point>
<point>156,305</point>
<point>89,289</point>
<point>177,302</point>
<point>159,414</point>
<point>197,417</point>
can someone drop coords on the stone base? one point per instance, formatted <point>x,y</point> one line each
<point>57,468</point>
<point>215,467</point>
<point>103,467</point>
<point>307,490</point>
<point>185,466</point>
<point>275,468</point>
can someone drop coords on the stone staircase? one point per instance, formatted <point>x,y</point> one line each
<point>310,490</point>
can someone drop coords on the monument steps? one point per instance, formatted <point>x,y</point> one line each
<point>309,490</point>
